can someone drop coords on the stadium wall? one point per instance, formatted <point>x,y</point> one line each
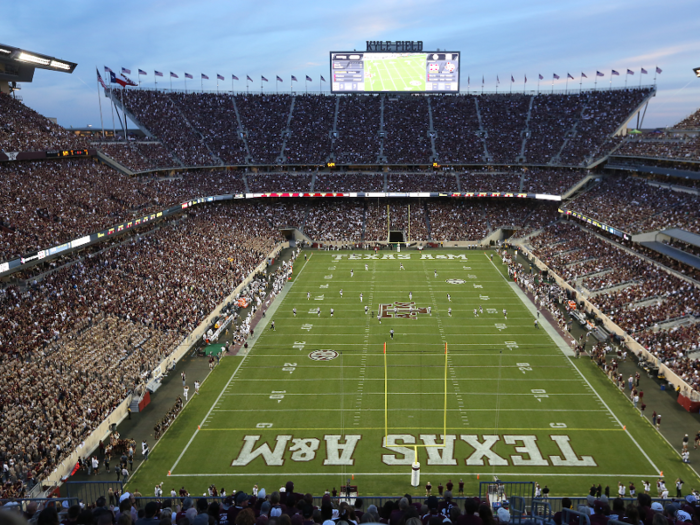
<point>678,384</point>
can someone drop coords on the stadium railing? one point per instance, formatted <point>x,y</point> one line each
<point>573,517</point>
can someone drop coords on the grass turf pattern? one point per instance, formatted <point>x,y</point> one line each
<point>307,402</point>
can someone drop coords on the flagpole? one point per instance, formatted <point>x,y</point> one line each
<point>538,83</point>
<point>640,78</point>
<point>595,82</point>
<point>171,82</point>
<point>511,83</point>
<point>656,68</point>
<point>111,94</point>
<point>100,102</point>
<point>626,75</point>
<point>580,85</point>
<point>155,80</point>
<point>611,75</point>
<point>185,83</point>
<point>566,88</point>
<point>524,82</point>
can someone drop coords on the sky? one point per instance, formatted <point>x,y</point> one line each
<point>275,37</point>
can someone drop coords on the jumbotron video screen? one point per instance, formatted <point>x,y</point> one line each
<point>433,72</point>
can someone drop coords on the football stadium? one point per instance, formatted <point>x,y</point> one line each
<point>387,294</point>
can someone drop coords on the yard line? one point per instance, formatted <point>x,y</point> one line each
<point>223,390</point>
<point>470,379</point>
<point>438,428</point>
<point>257,410</point>
<point>335,394</point>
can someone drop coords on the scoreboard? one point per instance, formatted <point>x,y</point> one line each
<point>377,72</point>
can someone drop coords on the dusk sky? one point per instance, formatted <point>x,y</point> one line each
<point>284,38</point>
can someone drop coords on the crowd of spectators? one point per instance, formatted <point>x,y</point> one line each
<point>632,205</point>
<point>138,156</point>
<point>551,117</point>
<point>23,129</point>
<point>426,182</point>
<point>406,125</point>
<point>456,221</point>
<point>345,182</point>
<point>635,294</point>
<point>456,124</point>
<point>162,115</point>
<point>503,181</point>
<point>279,182</point>
<point>335,220</point>
<point>357,140</point>
<point>104,323</point>
<point>690,122</point>
<point>264,118</point>
<point>503,117</point>
<point>664,145</point>
<point>312,122</point>
<point>213,117</point>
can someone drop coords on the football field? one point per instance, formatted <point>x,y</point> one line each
<point>317,400</point>
<point>395,74</point>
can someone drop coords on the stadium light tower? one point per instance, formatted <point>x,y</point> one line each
<point>697,71</point>
<point>18,65</point>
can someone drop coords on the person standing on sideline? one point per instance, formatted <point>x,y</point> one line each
<point>428,488</point>
<point>461,487</point>
<point>536,324</point>
<point>658,421</point>
<point>272,326</point>
<point>653,418</point>
<point>679,487</point>
<point>196,387</point>
<point>186,392</point>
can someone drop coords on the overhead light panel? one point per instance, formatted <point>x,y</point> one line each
<point>60,65</point>
<point>697,71</point>
<point>26,57</point>
<point>6,51</point>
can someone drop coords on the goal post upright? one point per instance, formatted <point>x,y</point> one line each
<point>386,401</point>
<point>444,432</point>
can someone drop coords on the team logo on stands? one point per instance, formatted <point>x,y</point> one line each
<point>401,310</point>
<point>323,355</point>
<point>455,281</point>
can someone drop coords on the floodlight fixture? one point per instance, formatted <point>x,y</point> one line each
<point>697,71</point>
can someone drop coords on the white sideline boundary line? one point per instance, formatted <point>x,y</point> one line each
<point>223,390</point>
<point>591,386</point>
<point>403,474</point>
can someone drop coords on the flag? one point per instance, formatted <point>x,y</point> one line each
<point>541,77</point>
<point>234,77</point>
<point>279,79</point>
<point>263,78</point>
<point>173,75</point>
<point>599,74</point>
<point>204,77</point>
<point>158,74</point>
<point>630,72</point>
<point>308,78</point>
<point>468,80</point>
<point>555,76</point>
<point>322,79</point>
<point>614,73</point>
<point>644,71</point>
<point>294,79</point>
<point>114,79</point>
<point>142,72</point>
<point>526,79</point>
<point>187,75</point>
<point>568,75</point>
<point>583,75</point>
<point>248,79</point>
<point>220,77</point>
<point>129,82</point>
<point>512,79</point>
<point>658,69</point>
<point>109,70</point>
<point>127,71</point>
<point>99,79</point>
<point>482,80</point>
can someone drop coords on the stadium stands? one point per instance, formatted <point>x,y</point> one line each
<point>690,122</point>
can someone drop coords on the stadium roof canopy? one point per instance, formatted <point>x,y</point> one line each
<point>18,65</point>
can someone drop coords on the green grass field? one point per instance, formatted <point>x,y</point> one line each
<point>517,406</point>
<point>399,74</point>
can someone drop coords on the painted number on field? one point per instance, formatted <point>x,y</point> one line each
<point>290,367</point>
<point>557,425</point>
<point>478,286</point>
<point>511,345</point>
<point>470,276</point>
<point>500,326</point>
<point>467,267</point>
<point>263,425</point>
<point>491,311</point>
<point>539,393</point>
<point>328,276</point>
<point>331,268</point>
<point>313,311</point>
<point>307,327</point>
<point>484,297</point>
<point>324,286</point>
<point>320,297</point>
<point>278,395</point>
<point>524,367</point>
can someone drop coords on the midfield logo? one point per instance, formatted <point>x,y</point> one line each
<point>401,310</point>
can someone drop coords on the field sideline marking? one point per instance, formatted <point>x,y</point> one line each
<point>592,389</point>
<point>403,474</point>
<point>194,435</point>
<point>426,429</point>
<point>257,410</point>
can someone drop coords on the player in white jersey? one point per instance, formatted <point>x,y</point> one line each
<point>536,323</point>
<point>481,309</point>
<point>505,313</point>
<point>331,312</point>
<point>341,293</point>
<point>186,392</point>
<point>475,313</point>
<point>366,267</point>
<point>294,310</point>
<point>410,296</point>
<point>435,273</point>
<point>401,266</point>
<point>647,486</point>
<point>366,307</point>
<point>318,311</point>
<point>379,317</point>
<point>430,310</point>
<point>449,312</point>
<point>196,387</point>
<point>308,296</point>
<point>352,273</point>
<point>449,298</point>
<point>360,297</point>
